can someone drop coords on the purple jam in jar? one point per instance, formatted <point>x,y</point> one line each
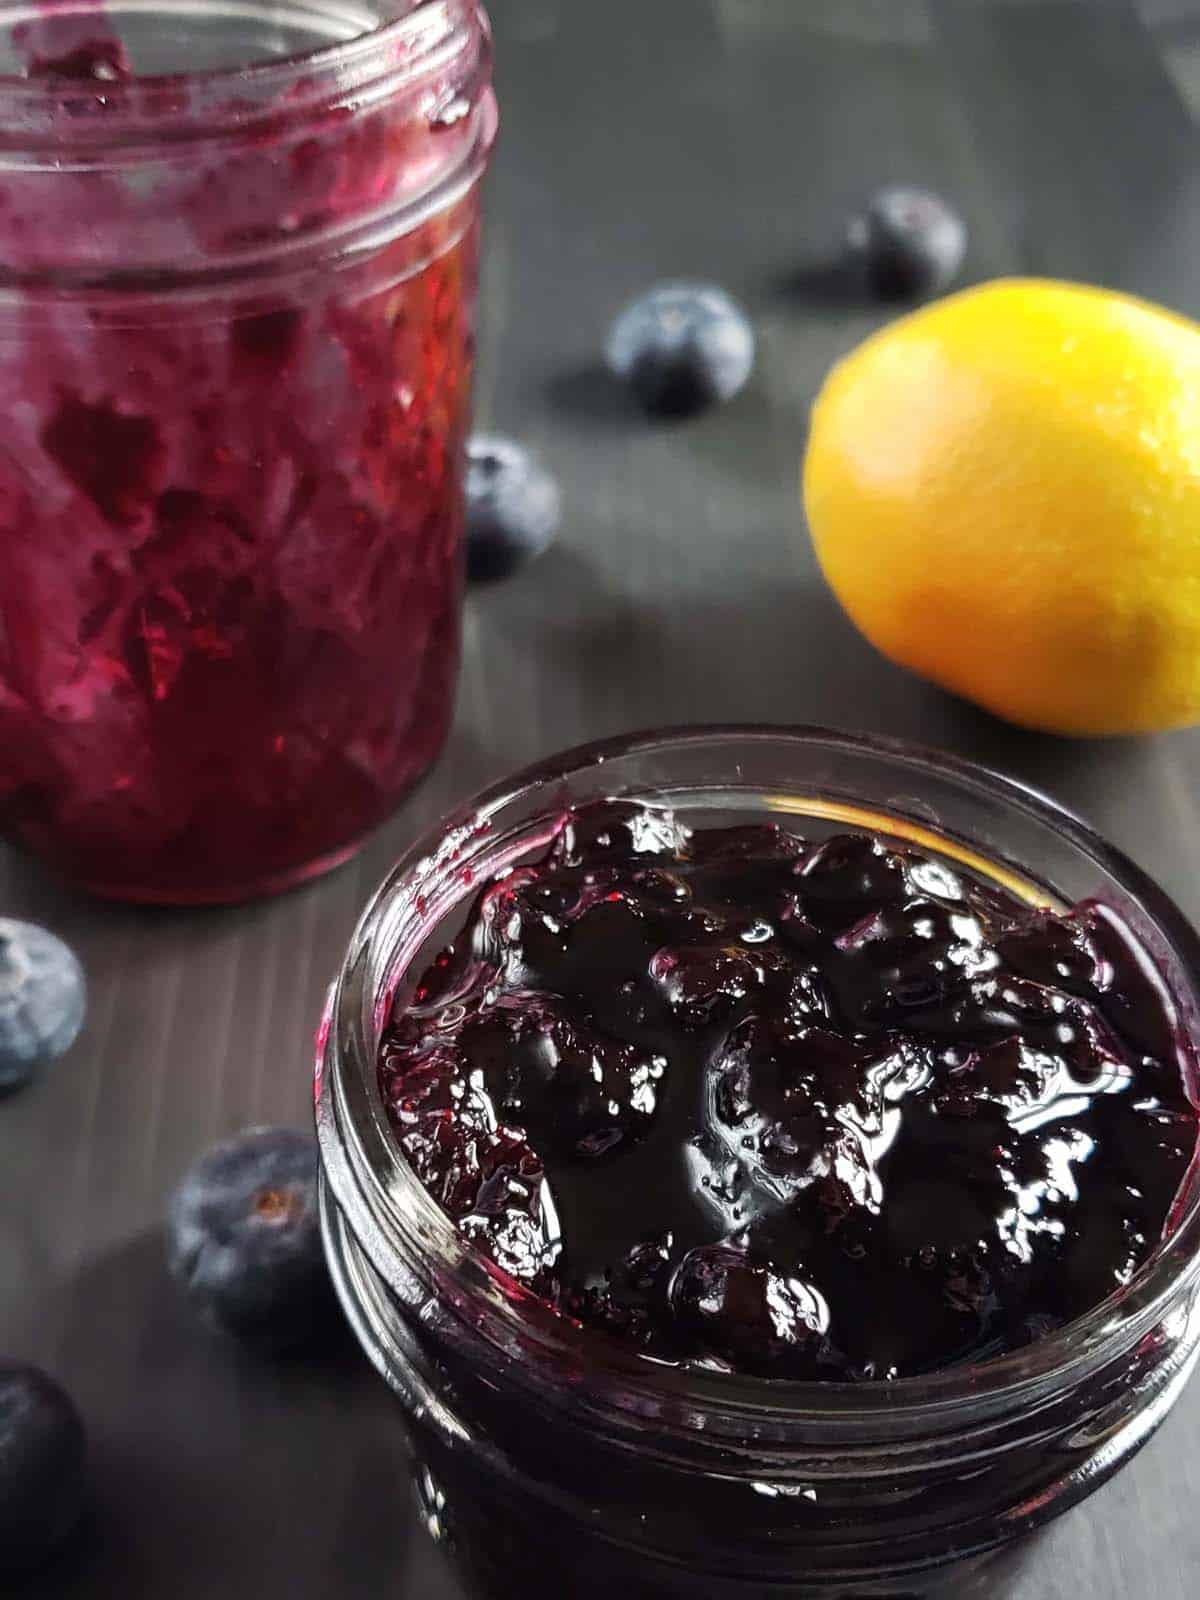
<point>815,1109</point>
<point>235,356</point>
<point>764,1161</point>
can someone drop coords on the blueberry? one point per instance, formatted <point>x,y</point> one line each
<point>513,507</point>
<point>908,243</point>
<point>245,1241</point>
<point>42,1000</point>
<point>41,1467</point>
<point>682,347</point>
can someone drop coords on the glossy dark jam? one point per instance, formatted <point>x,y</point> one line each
<point>812,1109</point>
<point>230,493</point>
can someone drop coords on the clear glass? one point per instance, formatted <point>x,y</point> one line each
<point>237,291</point>
<point>553,1460</point>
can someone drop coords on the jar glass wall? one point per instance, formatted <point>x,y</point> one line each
<point>553,1459</point>
<point>236,310</point>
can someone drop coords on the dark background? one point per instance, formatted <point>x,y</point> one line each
<point>724,139</point>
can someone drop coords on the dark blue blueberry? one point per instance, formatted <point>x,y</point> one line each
<point>41,1467</point>
<point>682,347</point>
<point>244,1239</point>
<point>42,1000</point>
<point>513,507</point>
<point>908,243</point>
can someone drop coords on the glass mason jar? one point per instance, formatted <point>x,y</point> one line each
<point>553,1460</point>
<point>237,288</point>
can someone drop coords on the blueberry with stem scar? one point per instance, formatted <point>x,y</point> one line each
<point>244,1239</point>
<point>908,243</point>
<point>682,347</point>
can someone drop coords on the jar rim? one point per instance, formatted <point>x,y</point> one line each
<point>349,1103</point>
<point>412,40</point>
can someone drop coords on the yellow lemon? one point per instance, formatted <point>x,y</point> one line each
<point>1004,493</point>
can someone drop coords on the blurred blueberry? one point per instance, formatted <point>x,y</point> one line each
<point>513,507</point>
<point>42,1450</point>
<point>42,1000</point>
<point>244,1239</point>
<point>908,243</point>
<point>682,347</point>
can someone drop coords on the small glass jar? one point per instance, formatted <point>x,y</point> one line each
<point>554,1460</point>
<point>237,289</point>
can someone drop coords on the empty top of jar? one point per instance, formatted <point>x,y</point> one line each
<point>145,140</point>
<point>96,75</point>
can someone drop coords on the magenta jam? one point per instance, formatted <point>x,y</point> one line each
<point>811,1109</point>
<point>236,338</point>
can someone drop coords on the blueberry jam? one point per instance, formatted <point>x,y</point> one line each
<point>235,362</point>
<point>810,1109</point>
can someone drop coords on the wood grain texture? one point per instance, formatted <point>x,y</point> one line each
<point>642,138</point>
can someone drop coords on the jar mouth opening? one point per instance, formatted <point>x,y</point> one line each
<point>351,29</point>
<point>349,1104</point>
<point>352,50</point>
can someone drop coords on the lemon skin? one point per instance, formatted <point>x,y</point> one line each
<point>1003,490</point>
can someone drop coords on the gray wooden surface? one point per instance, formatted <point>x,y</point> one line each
<point>642,138</point>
